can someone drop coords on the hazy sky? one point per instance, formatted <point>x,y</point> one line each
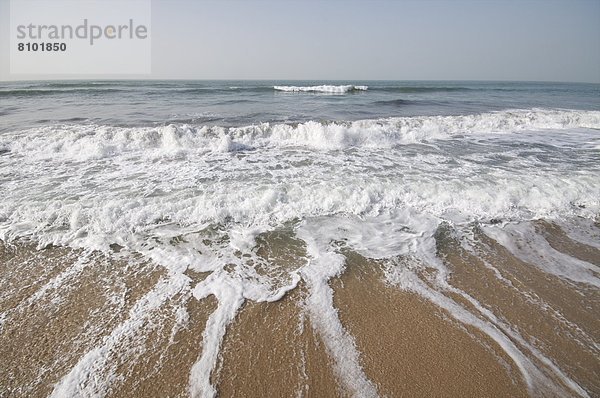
<point>405,40</point>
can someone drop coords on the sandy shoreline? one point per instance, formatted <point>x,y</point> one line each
<point>57,307</point>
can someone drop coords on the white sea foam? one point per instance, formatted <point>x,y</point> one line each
<point>523,241</point>
<point>58,202</point>
<point>94,373</point>
<point>230,296</point>
<point>83,142</point>
<point>323,89</point>
<point>325,264</point>
<point>585,231</point>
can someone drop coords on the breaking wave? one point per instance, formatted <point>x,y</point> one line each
<point>322,89</point>
<point>81,142</point>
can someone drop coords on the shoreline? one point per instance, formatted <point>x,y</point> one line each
<point>60,305</point>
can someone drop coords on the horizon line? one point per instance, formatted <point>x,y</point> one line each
<point>296,80</point>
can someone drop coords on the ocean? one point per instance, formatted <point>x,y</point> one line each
<point>194,238</point>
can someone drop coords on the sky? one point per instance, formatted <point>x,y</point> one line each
<point>529,40</point>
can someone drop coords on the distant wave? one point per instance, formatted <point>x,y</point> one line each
<point>322,89</point>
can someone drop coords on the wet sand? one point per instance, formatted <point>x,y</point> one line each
<point>163,368</point>
<point>68,310</point>
<point>271,350</point>
<point>57,307</point>
<point>558,319</point>
<point>411,348</point>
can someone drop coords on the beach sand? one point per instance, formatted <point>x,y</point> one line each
<point>58,306</point>
<point>411,348</point>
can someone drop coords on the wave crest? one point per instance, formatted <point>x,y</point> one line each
<point>81,142</point>
<point>322,89</point>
